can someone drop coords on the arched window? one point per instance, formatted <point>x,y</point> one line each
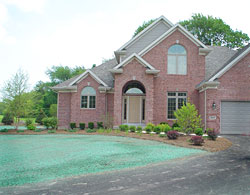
<point>88,97</point>
<point>177,60</point>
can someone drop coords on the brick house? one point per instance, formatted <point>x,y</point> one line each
<point>153,74</point>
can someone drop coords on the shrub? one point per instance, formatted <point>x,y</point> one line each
<point>72,130</point>
<point>122,127</point>
<point>82,126</point>
<point>212,134</point>
<point>39,118</point>
<point>163,123</point>
<point>31,127</point>
<point>100,125</point>
<point>4,130</point>
<point>177,129</point>
<point>139,129</point>
<point>150,125</point>
<point>187,117</point>
<point>172,134</point>
<point>175,124</point>
<point>148,129</point>
<point>7,119</point>
<point>72,125</point>
<point>28,122</point>
<point>165,128</point>
<point>132,128</point>
<point>51,131</point>
<point>20,131</point>
<point>50,122</point>
<point>91,125</point>
<point>157,129</point>
<point>90,130</point>
<point>198,131</point>
<point>197,140</point>
<point>189,131</point>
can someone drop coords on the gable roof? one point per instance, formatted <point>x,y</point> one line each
<point>137,57</point>
<point>86,73</point>
<point>231,62</point>
<point>168,33</point>
<point>139,35</point>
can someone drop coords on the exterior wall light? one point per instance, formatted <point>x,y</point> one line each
<point>214,106</point>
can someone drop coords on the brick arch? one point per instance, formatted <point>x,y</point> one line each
<point>136,84</point>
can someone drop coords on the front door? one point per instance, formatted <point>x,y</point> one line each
<point>134,109</point>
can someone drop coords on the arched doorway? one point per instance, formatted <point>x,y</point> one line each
<point>134,98</point>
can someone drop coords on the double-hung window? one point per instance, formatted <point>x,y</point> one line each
<point>175,101</point>
<point>88,98</point>
<point>177,60</point>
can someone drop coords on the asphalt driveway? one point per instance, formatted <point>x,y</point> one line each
<point>226,172</point>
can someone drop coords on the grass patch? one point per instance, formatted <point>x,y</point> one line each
<point>4,130</point>
<point>91,130</point>
<point>72,130</point>
<point>20,131</point>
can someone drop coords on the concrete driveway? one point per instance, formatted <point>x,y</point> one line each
<point>226,172</point>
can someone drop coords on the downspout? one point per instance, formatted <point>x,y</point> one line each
<point>205,109</point>
<point>106,104</point>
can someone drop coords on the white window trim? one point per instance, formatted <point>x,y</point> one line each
<point>176,97</point>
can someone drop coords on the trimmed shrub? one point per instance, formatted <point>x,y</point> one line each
<point>177,129</point>
<point>212,134</point>
<point>150,125</point>
<point>91,125</point>
<point>90,130</point>
<point>100,125</point>
<point>7,119</point>
<point>50,122</point>
<point>163,123</point>
<point>28,122</point>
<point>139,129</point>
<point>197,140</point>
<point>198,131</point>
<point>189,131</point>
<point>148,129</point>
<point>123,127</point>
<point>82,126</point>
<point>172,134</point>
<point>31,127</point>
<point>157,129</point>
<point>165,128</point>
<point>72,125</point>
<point>39,118</point>
<point>4,130</point>
<point>132,128</point>
<point>175,124</point>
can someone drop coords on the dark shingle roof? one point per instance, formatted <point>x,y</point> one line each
<point>102,71</point>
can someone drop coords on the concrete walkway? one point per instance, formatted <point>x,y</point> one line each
<point>226,172</point>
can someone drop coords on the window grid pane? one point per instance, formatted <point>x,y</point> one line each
<point>84,102</point>
<point>171,107</point>
<point>91,101</point>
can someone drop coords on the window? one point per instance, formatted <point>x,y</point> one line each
<point>143,109</point>
<point>125,109</point>
<point>88,97</point>
<point>175,101</point>
<point>177,60</point>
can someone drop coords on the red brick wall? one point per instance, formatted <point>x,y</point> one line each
<point>64,109</point>
<point>234,86</point>
<point>164,82</point>
<point>133,70</point>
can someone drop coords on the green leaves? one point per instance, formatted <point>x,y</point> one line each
<point>214,31</point>
<point>143,26</point>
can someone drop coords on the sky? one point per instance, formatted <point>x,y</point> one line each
<point>37,34</point>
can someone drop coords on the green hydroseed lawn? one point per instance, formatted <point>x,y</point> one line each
<point>35,158</point>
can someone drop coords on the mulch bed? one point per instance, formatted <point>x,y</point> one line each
<point>221,143</point>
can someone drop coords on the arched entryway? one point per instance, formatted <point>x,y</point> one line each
<point>133,108</point>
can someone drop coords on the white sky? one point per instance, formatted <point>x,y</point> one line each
<point>36,34</point>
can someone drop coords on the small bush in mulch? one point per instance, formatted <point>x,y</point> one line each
<point>51,131</point>
<point>72,125</point>
<point>91,130</point>
<point>198,131</point>
<point>172,134</point>
<point>132,128</point>
<point>72,130</point>
<point>82,126</point>
<point>4,130</point>
<point>197,140</point>
<point>212,134</point>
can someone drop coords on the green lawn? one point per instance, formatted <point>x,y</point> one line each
<point>36,158</point>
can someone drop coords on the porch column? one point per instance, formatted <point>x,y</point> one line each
<point>149,108</point>
<point>117,107</point>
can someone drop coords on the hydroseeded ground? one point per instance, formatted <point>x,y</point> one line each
<point>36,158</point>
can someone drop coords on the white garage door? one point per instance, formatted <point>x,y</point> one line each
<point>235,117</point>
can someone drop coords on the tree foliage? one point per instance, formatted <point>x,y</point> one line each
<point>14,95</point>
<point>143,26</point>
<point>187,117</point>
<point>61,73</point>
<point>214,31</point>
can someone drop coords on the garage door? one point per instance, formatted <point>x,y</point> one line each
<point>235,117</point>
